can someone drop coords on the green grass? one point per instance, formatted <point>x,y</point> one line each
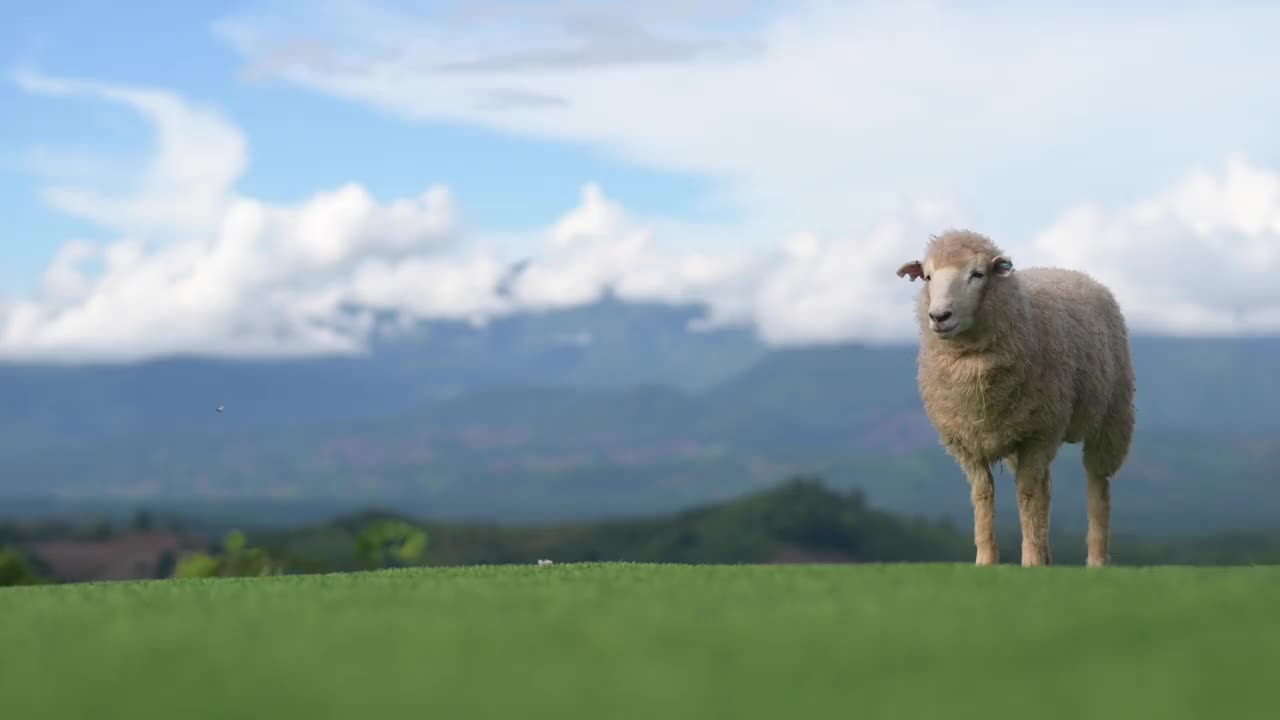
<point>645,641</point>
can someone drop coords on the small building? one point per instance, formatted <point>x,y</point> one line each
<point>131,556</point>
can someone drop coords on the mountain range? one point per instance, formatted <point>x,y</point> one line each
<point>602,410</point>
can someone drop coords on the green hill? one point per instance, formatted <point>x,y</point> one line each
<point>800,520</point>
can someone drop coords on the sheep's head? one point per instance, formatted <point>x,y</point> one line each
<point>959,269</point>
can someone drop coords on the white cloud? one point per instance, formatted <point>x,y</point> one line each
<point>431,287</point>
<point>234,275</point>
<point>598,247</point>
<point>846,288</point>
<point>826,114</point>
<point>1201,258</point>
<point>224,274</point>
<point>201,269</point>
<point>186,183</point>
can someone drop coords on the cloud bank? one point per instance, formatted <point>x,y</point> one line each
<point>825,112</point>
<point>198,267</point>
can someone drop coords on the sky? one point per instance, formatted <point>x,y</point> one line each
<point>254,179</point>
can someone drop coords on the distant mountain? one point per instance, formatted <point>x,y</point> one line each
<point>603,410</point>
<point>1221,384</point>
<point>607,344</point>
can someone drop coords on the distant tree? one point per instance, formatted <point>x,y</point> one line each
<point>198,565</point>
<point>167,564</point>
<point>143,521</point>
<point>101,530</point>
<point>390,543</point>
<point>236,560</point>
<point>14,569</point>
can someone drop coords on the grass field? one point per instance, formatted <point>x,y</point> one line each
<point>642,641</point>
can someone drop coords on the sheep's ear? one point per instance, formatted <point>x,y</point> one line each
<point>912,270</point>
<point>1002,265</point>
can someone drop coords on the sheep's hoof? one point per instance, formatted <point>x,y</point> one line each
<point>991,557</point>
<point>1035,559</point>
<point>1095,562</point>
<point>1032,556</point>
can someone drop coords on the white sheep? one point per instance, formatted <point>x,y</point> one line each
<point>1011,366</point>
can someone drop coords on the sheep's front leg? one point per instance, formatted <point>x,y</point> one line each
<point>982,488</point>
<point>1035,483</point>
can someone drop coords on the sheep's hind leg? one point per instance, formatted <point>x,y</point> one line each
<point>1034,481</point>
<point>1099,465</point>
<point>1099,519</point>
<point>982,489</point>
<point>1104,453</point>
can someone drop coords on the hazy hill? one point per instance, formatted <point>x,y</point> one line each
<point>607,344</point>
<point>609,409</point>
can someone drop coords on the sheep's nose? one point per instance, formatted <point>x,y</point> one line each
<point>940,316</point>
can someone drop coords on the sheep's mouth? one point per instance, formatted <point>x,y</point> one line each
<point>945,331</point>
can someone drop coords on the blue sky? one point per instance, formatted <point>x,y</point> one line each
<point>299,141</point>
<point>225,177</point>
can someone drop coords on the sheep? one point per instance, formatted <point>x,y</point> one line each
<point>1013,365</point>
